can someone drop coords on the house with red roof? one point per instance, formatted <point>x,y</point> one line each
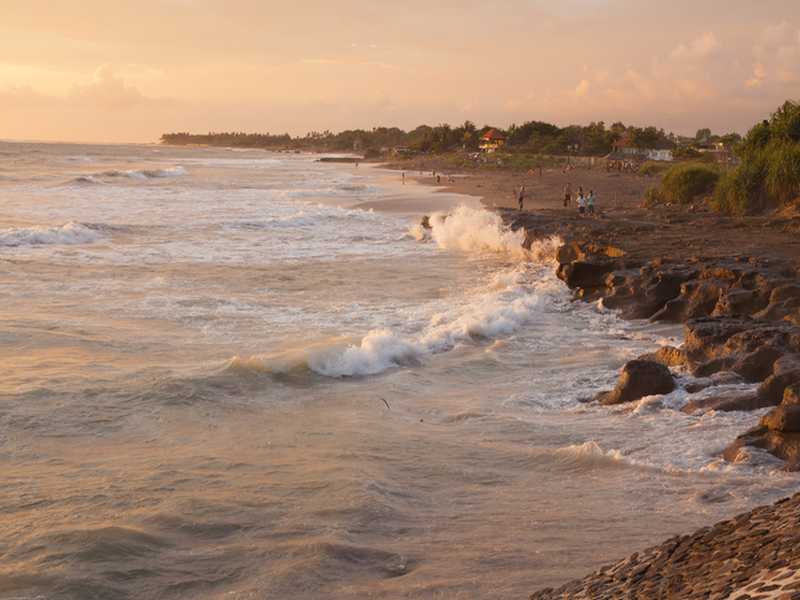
<point>491,141</point>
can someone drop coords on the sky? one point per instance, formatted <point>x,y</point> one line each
<point>127,71</point>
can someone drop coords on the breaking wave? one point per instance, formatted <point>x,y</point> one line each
<point>141,174</point>
<point>70,233</point>
<point>497,310</point>
<point>473,230</point>
<point>589,455</point>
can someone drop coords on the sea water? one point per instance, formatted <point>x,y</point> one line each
<point>243,374</point>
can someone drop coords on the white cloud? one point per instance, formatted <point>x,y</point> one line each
<point>758,78</point>
<point>582,89</point>
<point>701,47</point>
<point>108,90</point>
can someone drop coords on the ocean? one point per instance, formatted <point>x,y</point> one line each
<point>243,375</point>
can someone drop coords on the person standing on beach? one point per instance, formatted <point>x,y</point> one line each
<point>404,177</point>
<point>567,194</point>
<point>590,202</point>
<point>521,196</point>
<point>581,203</point>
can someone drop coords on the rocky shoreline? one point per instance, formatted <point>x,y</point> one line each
<point>741,316</point>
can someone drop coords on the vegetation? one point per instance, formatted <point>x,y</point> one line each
<point>683,183</point>
<point>768,174</point>
<point>652,167</point>
<point>532,137</point>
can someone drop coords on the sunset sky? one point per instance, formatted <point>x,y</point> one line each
<point>119,70</point>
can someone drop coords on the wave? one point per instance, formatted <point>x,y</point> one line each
<point>141,174</point>
<point>497,310</point>
<point>86,179</point>
<point>69,234</point>
<point>479,231</point>
<point>496,313</point>
<point>589,455</point>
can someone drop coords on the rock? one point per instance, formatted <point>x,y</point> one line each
<point>705,336</point>
<point>673,311</point>
<point>719,378</point>
<point>785,418</point>
<point>791,395</point>
<point>585,273</point>
<point>785,373</point>
<point>757,365</point>
<point>787,364</point>
<point>639,378</point>
<point>771,391</point>
<point>703,296</point>
<point>733,302</point>
<point>713,366</point>
<point>782,445</point>
<point>776,311</point>
<point>669,356</point>
<point>725,402</point>
<point>785,292</point>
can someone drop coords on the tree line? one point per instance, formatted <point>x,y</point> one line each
<point>537,137</point>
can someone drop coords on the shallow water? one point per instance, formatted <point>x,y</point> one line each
<point>247,375</point>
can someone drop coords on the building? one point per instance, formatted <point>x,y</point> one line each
<point>624,149</point>
<point>491,141</point>
<point>654,154</point>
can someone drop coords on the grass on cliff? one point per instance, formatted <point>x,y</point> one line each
<point>683,183</point>
<point>768,175</point>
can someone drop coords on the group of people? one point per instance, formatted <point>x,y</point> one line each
<point>585,202</point>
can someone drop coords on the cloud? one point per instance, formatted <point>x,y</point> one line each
<point>108,90</point>
<point>758,78</point>
<point>22,97</point>
<point>702,47</point>
<point>582,89</point>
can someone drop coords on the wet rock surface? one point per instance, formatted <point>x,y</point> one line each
<point>639,378</point>
<point>741,312</point>
<point>752,556</point>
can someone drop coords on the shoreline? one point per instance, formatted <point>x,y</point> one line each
<point>741,316</point>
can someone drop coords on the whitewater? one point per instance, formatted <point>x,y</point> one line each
<point>244,374</point>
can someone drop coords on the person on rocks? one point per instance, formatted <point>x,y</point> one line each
<point>567,194</point>
<point>590,202</point>
<point>521,196</point>
<point>581,203</point>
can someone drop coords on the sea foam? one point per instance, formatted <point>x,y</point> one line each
<point>70,233</point>
<point>498,309</point>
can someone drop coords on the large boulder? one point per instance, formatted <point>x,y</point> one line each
<point>639,378</point>
<point>586,273</point>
